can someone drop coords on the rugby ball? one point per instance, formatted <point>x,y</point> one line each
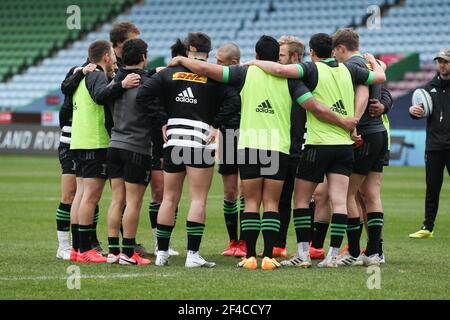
<point>422,98</point>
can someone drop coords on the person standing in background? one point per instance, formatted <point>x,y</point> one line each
<point>437,149</point>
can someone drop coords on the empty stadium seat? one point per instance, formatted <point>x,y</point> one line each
<point>33,29</point>
<point>416,26</point>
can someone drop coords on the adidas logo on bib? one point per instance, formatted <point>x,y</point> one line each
<point>338,107</point>
<point>186,96</point>
<point>265,107</point>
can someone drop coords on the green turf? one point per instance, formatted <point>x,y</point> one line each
<point>29,196</point>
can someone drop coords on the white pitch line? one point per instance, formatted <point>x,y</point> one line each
<point>91,276</point>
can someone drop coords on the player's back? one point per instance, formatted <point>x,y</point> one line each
<point>368,124</point>
<point>190,96</point>
<point>266,107</point>
<point>131,123</point>
<point>191,103</point>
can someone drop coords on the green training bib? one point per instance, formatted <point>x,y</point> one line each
<point>266,112</point>
<point>88,121</point>
<point>335,90</point>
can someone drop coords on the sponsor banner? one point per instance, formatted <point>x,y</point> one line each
<point>50,118</point>
<point>188,76</point>
<point>5,117</point>
<point>19,117</point>
<point>407,148</point>
<point>29,139</point>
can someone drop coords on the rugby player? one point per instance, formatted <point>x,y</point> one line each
<point>368,164</point>
<point>128,159</point>
<point>328,149</point>
<point>91,124</point>
<point>119,33</point>
<point>68,87</point>
<point>157,180</point>
<point>68,166</point>
<point>229,54</point>
<point>192,103</point>
<point>292,50</point>
<point>322,213</point>
<point>265,139</point>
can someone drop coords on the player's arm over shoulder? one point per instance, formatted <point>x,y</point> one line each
<point>291,71</point>
<point>301,95</point>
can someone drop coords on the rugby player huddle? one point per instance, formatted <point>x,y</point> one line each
<point>312,131</point>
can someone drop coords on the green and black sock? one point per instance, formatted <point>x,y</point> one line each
<point>353,234</point>
<point>85,237</point>
<point>163,233</point>
<point>63,217</point>
<point>75,237</point>
<point>194,235</point>
<point>312,206</point>
<point>337,228</point>
<point>251,225</point>
<point>113,245</point>
<point>153,213</point>
<point>319,234</point>
<point>285,218</point>
<point>241,204</point>
<point>374,226</point>
<point>270,228</point>
<point>230,211</point>
<point>302,223</point>
<point>128,246</point>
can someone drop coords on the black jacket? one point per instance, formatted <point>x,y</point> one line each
<point>206,103</point>
<point>386,100</point>
<point>438,123</point>
<point>100,89</point>
<point>191,103</point>
<point>104,93</point>
<point>368,124</point>
<point>230,115</point>
<point>66,111</point>
<point>68,88</point>
<point>298,129</point>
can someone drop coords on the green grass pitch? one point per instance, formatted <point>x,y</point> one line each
<point>29,196</point>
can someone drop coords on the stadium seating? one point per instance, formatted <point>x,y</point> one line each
<point>412,80</point>
<point>35,29</point>
<point>416,26</point>
<point>301,18</point>
<point>160,22</point>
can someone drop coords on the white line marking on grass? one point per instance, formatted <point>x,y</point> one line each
<point>89,276</point>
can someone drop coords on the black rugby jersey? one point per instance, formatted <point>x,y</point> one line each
<point>192,103</point>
